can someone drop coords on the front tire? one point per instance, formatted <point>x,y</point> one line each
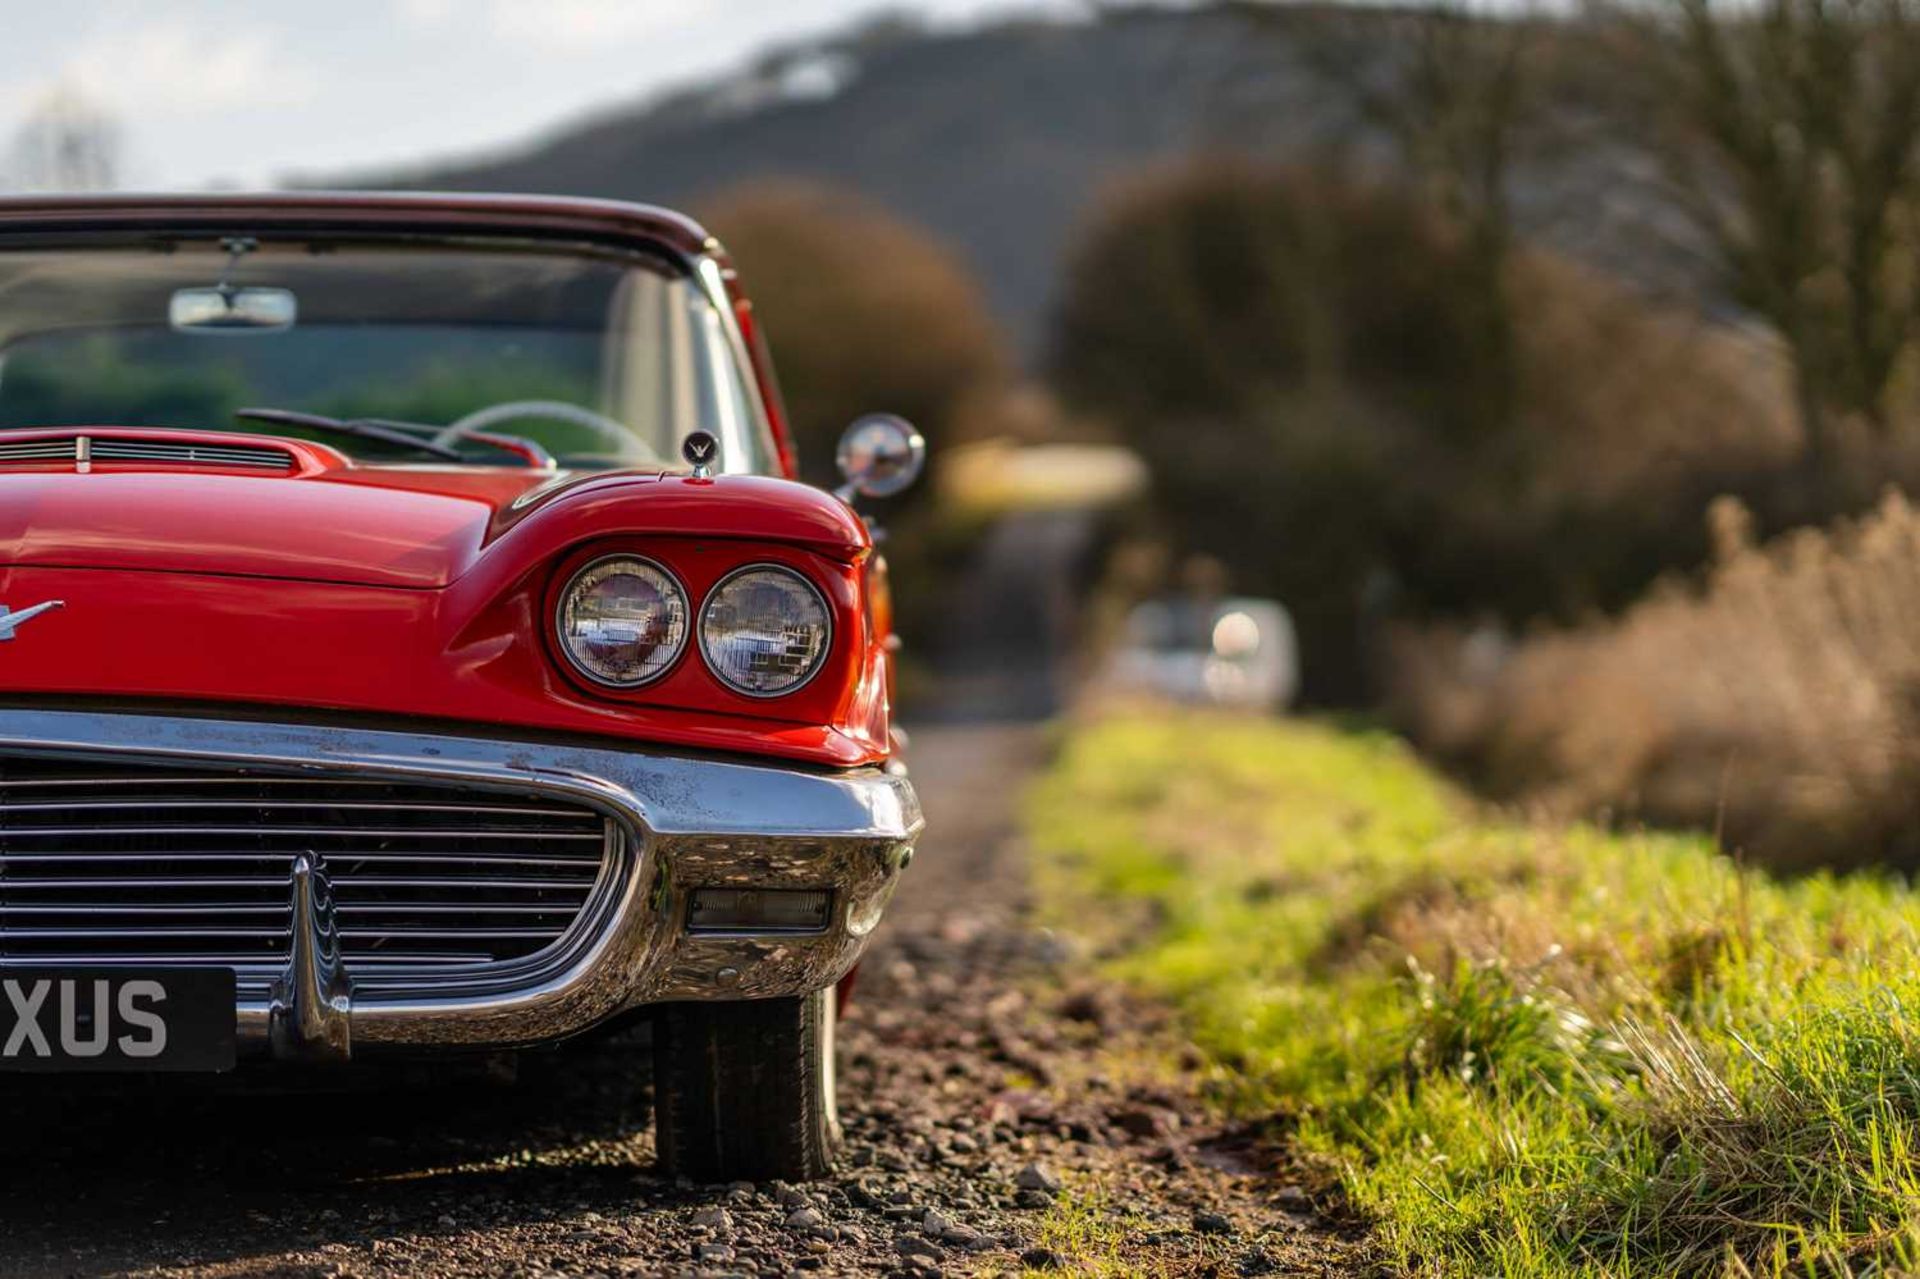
<point>745,1091</point>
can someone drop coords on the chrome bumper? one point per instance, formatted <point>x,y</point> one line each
<point>687,823</point>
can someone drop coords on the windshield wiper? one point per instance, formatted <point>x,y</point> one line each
<point>396,433</point>
<point>384,432</point>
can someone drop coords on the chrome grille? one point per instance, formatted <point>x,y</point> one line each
<point>112,449</point>
<point>175,865</point>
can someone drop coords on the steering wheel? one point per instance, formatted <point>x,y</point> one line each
<point>553,410</point>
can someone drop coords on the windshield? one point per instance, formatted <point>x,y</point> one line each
<point>612,359</point>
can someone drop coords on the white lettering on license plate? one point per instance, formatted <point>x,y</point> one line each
<point>79,1016</point>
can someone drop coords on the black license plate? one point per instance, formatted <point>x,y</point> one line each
<point>75,1019</point>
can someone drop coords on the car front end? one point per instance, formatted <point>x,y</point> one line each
<point>415,642</point>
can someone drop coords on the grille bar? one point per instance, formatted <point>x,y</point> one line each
<point>159,864</point>
<point>307,832</point>
<point>443,934</point>
<point>254,805</point>
<point>144,910</point>
<point>336,857</point>
<point>340,883</point>
<point>11,935</point>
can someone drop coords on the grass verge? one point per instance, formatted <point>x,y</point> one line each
<point>1523,1050</point>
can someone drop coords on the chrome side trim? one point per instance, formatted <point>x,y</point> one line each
<point>686,822</point>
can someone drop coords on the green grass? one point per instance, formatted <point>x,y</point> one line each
<point>1085,1224</point>
<point>1521,1049</point>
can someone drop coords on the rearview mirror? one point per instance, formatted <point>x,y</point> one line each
<point>880,455</point>
<point>230,310</point>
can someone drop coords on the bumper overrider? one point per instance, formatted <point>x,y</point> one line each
<point>676,825</point>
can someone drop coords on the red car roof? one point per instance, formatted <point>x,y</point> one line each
<point>542,213</point>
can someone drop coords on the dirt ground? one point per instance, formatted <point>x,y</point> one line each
<point>1002,1112</point>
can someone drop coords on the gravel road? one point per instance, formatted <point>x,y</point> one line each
<point>986,1087</point>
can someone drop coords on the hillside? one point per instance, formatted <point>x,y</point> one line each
<point>1002,139</point>
<point>997,139</point>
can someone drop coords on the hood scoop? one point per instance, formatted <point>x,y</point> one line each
<point>83,449</point>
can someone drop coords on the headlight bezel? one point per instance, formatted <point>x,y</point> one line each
<point>689,615</point>
<point>713,594</point>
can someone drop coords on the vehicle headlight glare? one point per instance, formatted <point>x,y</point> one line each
<point>765,631</point>
<point>622,621</point>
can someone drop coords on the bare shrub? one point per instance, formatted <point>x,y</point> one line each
<point>1775,700</point>
<point>865,313</point>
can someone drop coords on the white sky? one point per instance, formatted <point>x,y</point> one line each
<point>239,92</point>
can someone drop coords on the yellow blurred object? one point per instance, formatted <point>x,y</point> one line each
<point>993,477</point>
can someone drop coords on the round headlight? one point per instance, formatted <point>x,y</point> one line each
<point>765,630</point>
<point>622,621</point>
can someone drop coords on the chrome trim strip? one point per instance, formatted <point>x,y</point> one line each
<point>687,822</point>
<point>710,277</point>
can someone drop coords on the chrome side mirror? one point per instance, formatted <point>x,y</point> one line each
<point>880,455</point>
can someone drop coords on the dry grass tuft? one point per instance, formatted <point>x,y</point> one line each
<point>1777,702</point>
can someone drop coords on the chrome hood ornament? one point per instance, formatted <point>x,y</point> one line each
<point>10,618</point>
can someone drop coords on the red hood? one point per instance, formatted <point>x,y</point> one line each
<point>326,520</point>
<point>265,572</point>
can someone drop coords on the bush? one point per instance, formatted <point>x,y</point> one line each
<point>1775,700</point>
<point>864,313</point>
<point>1308,365</point>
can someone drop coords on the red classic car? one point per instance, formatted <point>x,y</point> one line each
<point>417,642</point>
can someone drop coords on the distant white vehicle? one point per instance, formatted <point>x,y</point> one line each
<point>1225,652</point>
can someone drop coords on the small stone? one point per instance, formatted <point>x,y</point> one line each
<point>915,1246</point>
<point>447,1222</point>
<point>1031,1199</point>
<point>805,1219</point>
<point>1038,1177</point>
<point>1042,1259</point>
<point>740,1190</point>
<point>1086,1007</point>
<point>788,1197</point>
<point>1142,1122</point>
<point>935,1224</point>
<point>715,1218</point>
<point>1257,1262</point>
<point>713,1252</point>
<point>1212,1223</point>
